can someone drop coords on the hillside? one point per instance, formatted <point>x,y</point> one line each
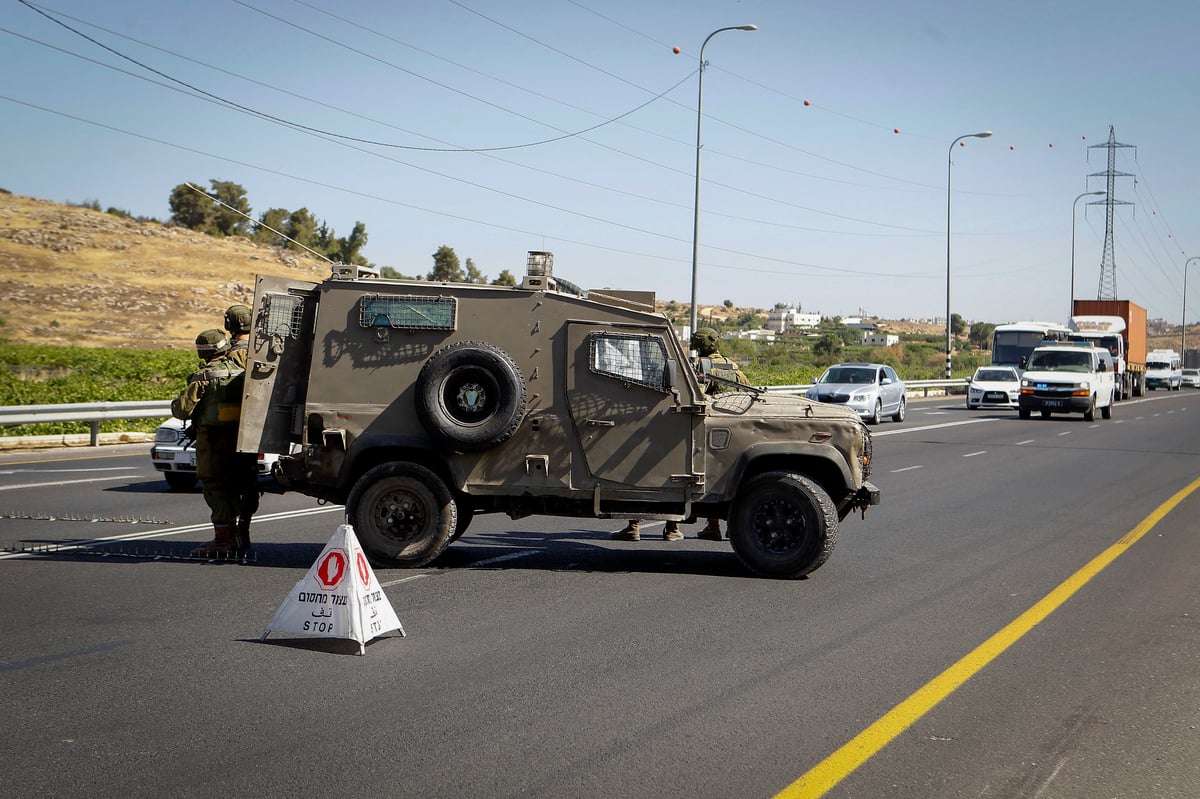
<point>74,276</point>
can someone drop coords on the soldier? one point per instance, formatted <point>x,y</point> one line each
<point>237,322</point>
<point>212,401</point>
<point>705,342</point>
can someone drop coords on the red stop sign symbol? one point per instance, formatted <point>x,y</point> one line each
<point>332,568</point>
<point>364,571</point>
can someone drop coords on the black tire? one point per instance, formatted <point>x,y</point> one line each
<point>1045,414</point>
<point>876,417</point>
<point>465,515</point>
<point>1106,411</point>
<point>402,513</point>
<point>783,525</point>
<point>1090,414</point>
<point>180,481</point>
<point>1023,413</point>
<point>898,416</point>
<point>470,396</point>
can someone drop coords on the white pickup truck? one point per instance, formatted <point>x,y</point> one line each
<point>1068,378</point>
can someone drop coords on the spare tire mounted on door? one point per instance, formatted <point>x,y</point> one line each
<point>470,396</point>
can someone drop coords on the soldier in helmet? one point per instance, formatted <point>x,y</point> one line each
<point>705,342</point>
<point>237,322</point>
<point>212,402</point>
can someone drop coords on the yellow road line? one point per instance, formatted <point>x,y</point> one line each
<point>839,765</point>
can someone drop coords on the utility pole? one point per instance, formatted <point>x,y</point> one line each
<point>1108,266</point>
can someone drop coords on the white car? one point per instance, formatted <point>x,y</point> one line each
<point>1191,378</point>
<point>174,454</point>
<point>994,387</point>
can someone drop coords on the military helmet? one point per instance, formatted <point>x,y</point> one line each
<point>211,343</point>
<point>237,319</point>
<point>705,340</point>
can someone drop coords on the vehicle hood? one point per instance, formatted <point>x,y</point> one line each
<point>778,406</point>
<point>842,389</point>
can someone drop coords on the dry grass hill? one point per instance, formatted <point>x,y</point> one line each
<point>74,276</point>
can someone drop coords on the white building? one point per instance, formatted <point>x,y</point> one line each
<point>781,320</point>
<point>877,338</point>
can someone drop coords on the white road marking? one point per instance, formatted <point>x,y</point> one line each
<point>973,454</point>
<point>1026,441</point>
<point>1065,433</point>
<point>64,482</point>
<point>906,469</point>
<point>59,471</point>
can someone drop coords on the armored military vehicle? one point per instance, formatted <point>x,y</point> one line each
<point>421,404</point>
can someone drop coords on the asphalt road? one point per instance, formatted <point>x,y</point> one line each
<point>1019,618</point>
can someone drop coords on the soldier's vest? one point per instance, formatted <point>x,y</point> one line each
<point>221,403</point>
<point>723,367</point>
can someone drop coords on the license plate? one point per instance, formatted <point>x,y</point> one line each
<point>1052,403</point>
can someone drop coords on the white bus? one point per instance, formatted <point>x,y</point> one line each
<point>1012,343</point>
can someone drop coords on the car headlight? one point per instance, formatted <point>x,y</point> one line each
<point>1084,384</point>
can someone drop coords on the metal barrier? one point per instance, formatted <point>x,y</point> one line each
<point>92,412</point>
<point>97,412</point>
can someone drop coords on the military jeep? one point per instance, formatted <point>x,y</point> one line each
<point>421,404</point>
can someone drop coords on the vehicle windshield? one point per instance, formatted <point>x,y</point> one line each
<point>1157,365</point>
<point>849,374</point>
<point>995,376</point>
<point>1059,361</point>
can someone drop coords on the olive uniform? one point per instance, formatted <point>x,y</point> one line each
<point>237,322</point>
<point>704,342</point>
<point>212,402</point>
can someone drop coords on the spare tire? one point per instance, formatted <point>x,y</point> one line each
<point>470,396</point>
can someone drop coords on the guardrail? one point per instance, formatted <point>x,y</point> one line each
<point>92,412</point>
<point>96,412</point>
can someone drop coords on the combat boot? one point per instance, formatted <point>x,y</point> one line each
<point>221,546</point>
<point>711,531</point>
<point>241,535</point>
<point>632,532</point>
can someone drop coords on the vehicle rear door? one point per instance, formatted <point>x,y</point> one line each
<point>277,365</point>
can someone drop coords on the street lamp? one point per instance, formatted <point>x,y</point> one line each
<point>949,160</point>
<point>1071,312</point>
<point>1183,328</point>
<point>699,120</point>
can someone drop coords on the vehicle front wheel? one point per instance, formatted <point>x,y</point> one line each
<point>1023,413</point>
<point>180,481</point>
<point>1090,414</point>
<point>403,513</point>
<point>1106,411</point>
<point>1045,414</point>
<point>877,416</point>
<point>898,416</point>
<point>783,525</point>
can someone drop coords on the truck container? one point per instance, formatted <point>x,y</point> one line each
<point>1101,321</point>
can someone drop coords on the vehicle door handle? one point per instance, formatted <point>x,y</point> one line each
<point>599,423</point>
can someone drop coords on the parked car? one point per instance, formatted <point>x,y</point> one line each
<point>873,390</point>
<point>994,387</point>
<point>174,454</point>
<point>1191,378</point>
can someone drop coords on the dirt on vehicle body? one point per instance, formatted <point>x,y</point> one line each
<point>420,404</point>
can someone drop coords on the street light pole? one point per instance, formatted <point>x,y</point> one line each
<point>1071,311</point>
<point>1183,327</point>
<point>696,207</point>
<point>950,160</point>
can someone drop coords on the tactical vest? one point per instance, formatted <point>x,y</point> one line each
<point>221,403</point>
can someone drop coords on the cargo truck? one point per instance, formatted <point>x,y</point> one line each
<point>1120,327</point>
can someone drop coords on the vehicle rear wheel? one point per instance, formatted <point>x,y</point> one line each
<point>1045,414</point>
<point>898,416</point>
<point>403,513</point>
<point>783,525</point>
<point>877,416</point>
<point>180,481</point>
<point>1090,414</point>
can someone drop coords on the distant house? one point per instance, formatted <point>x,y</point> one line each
<point>878,338</point>
<point>768,336</point>
<point>781,320</point>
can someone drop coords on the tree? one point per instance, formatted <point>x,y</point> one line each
<point>958,325</point>
<point>505,278</point>
<point>728,303</point>
<point>473,274</point>
<point>231,214</point>
<point>347,250</point>
<point>269,221</point>
<point>981,334</point>
<point>301,227</point>
<point>828,346</point>
<point>190,208</point>
<point>446,267</point>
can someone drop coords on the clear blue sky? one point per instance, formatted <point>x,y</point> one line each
<point>822,205</point>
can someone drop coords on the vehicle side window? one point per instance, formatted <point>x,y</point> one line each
<point>638,359</point>
<point>891,373</point>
